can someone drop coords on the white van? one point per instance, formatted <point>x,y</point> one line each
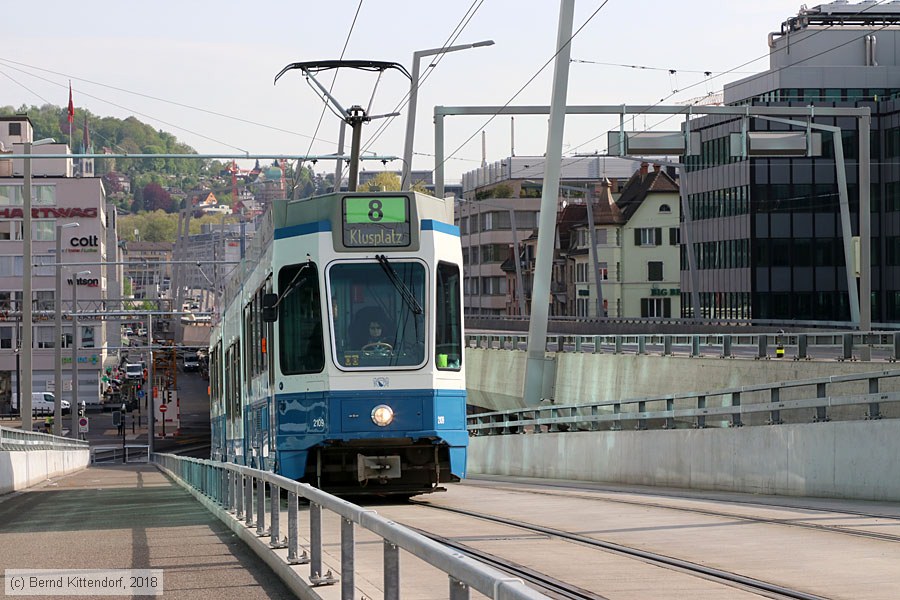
<point>190,362</point>
<point>134,371</point>
<point>42,403</point>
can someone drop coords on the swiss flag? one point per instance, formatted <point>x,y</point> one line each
<point>71,111</point>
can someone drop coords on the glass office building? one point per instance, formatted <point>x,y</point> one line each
<point>767,231</point>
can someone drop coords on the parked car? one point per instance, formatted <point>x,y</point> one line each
<point>42,403</point>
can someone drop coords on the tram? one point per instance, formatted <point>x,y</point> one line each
<point>338,358</point>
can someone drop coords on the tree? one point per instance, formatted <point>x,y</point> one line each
<point>112,183</point>
<point>138,204</point>
<point>156,198</point>
<point>382,182</point>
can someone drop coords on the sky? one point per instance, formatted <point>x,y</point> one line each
<point>203,71</point>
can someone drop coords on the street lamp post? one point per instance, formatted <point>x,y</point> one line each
<point>405,182</point>
<point>57,411</point>
<point>122,425</point>
<point>73,407</point>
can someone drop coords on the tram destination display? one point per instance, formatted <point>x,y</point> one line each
<point>376,221</point>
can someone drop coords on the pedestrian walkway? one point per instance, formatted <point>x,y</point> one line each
<point>131,517</point>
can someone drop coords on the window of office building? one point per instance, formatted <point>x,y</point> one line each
<point>494,253</point>
<point>493,286</point>
<point>43,231</point>
<point>656,307</point>
<point>41,195</point>
<point>6,337</point>
<point>44,271</point>
<point>495,220</point>
<point>44,336</point>
<point>43,300</point>
<point>10,266</point>
<point>655,271</point>
<point>87,336</point>
<point>526,219</point>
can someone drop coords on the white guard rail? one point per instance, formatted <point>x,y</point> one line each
<point>246,492</point>
<point>694,407</point>
<point>18,440</point>
<point>129,453</point>
<point>841,346</point>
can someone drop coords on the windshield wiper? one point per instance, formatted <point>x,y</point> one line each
<point>405,292</point>
<point>294,282</point>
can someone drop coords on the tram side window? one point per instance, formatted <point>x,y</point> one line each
<point>300,320</point>
<point>214,371</point>
<point>448,314</point>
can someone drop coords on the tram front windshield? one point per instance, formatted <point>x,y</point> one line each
<point>377,313</point>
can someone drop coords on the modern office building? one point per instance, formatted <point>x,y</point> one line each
<point>149,268</point>
<point>58,199</point>
<point>767,231</point>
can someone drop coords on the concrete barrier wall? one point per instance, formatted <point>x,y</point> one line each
<point>848,459</point>
<point>19,470</point>
<point>495,378</point>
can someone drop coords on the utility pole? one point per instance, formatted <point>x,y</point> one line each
<point>24,383</point>
<point>73,406</point>
<point>595,262</point>
<point>537,331</point>
<point>57,346</point>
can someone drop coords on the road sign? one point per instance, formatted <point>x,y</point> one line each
<point>83,425</point>
<point>163,408</point>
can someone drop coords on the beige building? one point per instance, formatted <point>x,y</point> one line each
<point>639,253</point>
<point>500,205</point>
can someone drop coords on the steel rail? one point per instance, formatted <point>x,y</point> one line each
<point>711,573</point>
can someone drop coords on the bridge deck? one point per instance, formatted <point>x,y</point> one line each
<point>131,517</point>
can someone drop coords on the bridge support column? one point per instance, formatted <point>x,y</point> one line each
<point>847,346</point>
<point>874,411</point>
<point>821,411</point>
<point>736,416</point>
<point>775,398</point>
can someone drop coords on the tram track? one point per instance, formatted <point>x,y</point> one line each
<point>874,535</point>
<point>543,582</point>
<point>550,585</point>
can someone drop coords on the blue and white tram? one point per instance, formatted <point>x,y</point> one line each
<point>298,384</point>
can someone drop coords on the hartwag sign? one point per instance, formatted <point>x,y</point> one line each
<point>46,212</point>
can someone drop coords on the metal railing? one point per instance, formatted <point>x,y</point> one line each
<point>519,323</point>
<point>797,346</point>
<point>246,493</point>
<point>18,440</point>
<point>696,408</point>
<point>130,453</point>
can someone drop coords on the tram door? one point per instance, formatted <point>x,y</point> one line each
<point>258,436</point>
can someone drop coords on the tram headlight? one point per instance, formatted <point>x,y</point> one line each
<point>382,415</point>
